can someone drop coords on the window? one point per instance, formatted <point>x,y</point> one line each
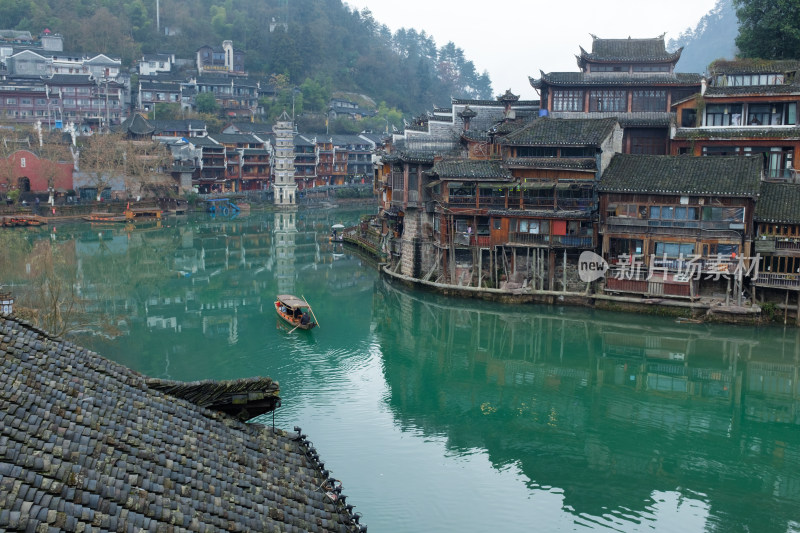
<point>608,100</point>
<point>674,249</point>
<point>567,100</point>
<point>661,67</point>
<point>723,214</point>
<point>758,114</point>
<point>11,101</point>
<point>537,151</point>
<point>649,100</point>
<point>720,150</point>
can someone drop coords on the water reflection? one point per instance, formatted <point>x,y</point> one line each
<point>628,419</point>
<point>442,414</point>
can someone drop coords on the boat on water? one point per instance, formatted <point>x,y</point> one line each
<point>105,217</point>
<point>295,311</point>
<point>336,233</point>
<point>129,215</point>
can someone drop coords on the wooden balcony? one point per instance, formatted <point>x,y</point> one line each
<point>551,241</point>
<point>783,281</point>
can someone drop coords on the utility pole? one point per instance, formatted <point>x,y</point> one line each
<point>158,20</point>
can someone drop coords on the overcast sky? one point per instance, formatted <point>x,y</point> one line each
<point>514,39</point>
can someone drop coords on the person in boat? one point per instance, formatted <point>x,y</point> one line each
<point>304,319</point>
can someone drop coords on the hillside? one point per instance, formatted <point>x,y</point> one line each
<point>322,40</point>
<point>712,38</point>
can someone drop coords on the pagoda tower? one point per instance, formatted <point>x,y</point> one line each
<point>284,184</point>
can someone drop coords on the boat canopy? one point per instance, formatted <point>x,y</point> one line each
<point>292,301</point>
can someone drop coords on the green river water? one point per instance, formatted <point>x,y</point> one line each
<point>450,415</point>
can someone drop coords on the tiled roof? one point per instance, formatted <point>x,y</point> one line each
<point>748,90</point>
<point>543,213</point>
<point>496,103</point>
<point>778,203</point>
<point>136,124</point>
<point>629,50</point>
<point>744,132</point>
<point>234,138</point>
<point>86,444</point>
<point>667,174</point>
<point>471,169</point>
<point>753,66</point>
<point>626,120</point>
<point>576,163</point>
<point>205,141</point>
<point>70,79</point>
<point>548,131</point>
<point>597,79</point>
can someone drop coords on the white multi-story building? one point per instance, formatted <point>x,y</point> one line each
<point>283,167</point>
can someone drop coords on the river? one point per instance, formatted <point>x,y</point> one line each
<point>440,414</point>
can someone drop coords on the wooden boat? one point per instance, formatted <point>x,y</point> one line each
<point>21,220</point>
<point>292,309</point>
<point>105,217</point>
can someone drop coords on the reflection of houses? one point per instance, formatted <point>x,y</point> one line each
<point>667,219</point>
<point>749,108</point>
<point>576,397</point>
<point>633,80</point>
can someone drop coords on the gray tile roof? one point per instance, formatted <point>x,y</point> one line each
<point>548,131</point>
<point>598,79</point>
<point>778,203</point>
<point>667,174</point>
<point>751,90</point>
<point>86,444</point>
<point>137,125</point>
<point>744,132</point>
<point>471,169</point>
<point>636,118</point>
<point>574,163</point>
<point>652,49</point>
<point>753,66</point>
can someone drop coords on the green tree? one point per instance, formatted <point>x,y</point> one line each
<point>768,29</point>
<point>206,103</point>
<point>166,111</point>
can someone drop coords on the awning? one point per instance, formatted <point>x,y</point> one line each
<point>434,183</point>
<point>564,186</point>
<point>538,185</point>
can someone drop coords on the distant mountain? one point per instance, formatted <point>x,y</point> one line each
<point>712,38</point>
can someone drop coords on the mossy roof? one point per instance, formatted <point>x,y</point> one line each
<point>667,174</point>
<point>87,443</point>
<point>778,203</point>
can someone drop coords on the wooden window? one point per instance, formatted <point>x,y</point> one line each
<point>568,100</point>
<point>723,115</point>
<point>649,100</point>
<point>608,100</point>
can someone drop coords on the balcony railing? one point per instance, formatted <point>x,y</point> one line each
<point>566,241</point>
<point>767,279</point>
<point>682,224</point>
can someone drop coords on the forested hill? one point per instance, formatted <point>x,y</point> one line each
<point>712,38</point>
<point>325,40</point>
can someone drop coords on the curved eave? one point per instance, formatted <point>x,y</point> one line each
<point>750,194</point>
<point>542,213</point>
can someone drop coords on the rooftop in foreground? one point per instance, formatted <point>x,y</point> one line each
<point>89,445</point>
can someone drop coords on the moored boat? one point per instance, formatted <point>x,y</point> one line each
<point>295,311</point>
